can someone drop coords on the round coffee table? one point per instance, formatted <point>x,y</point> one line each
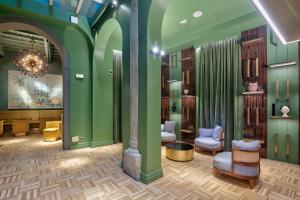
<point>180,151</point>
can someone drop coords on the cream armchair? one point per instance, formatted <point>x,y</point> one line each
<point>53,131</point>
<point>243,162</point>
<point>20,127</point>
<point>1,128</point>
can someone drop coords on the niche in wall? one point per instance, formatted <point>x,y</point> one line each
<point>178,103</point>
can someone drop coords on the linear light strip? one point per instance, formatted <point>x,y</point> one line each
<point>282,64</point>
<point>269,20</point>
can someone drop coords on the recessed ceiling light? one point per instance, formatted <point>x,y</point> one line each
<point>198,13</point>
<point>184,21</point>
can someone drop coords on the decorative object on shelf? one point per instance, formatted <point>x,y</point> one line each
<point>273,109</point>
<point>285,111</point>
<point>186,91</point>
<point>288,145</point>
<point>174,107</point>
<point>275,141</point>
<point>287,89</point>
<point>31,63</point>
<point>277,90</point>
<point>248,68</point>
<point>253,87</point>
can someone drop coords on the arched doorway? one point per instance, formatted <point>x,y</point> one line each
<point>17,23</point>
<point>107,78</point>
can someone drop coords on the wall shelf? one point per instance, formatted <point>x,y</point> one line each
<point>253,93</point>
<point>281,117</point>
<point>285,64</point>
<point>249,42</point>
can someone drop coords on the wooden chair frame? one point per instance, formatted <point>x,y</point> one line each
<point>214,151</point>
<point>246,158</point>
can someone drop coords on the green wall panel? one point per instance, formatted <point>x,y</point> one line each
<point>280,54</point>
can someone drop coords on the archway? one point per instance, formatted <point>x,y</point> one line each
<point>17,23</point>
<point>107,78</point>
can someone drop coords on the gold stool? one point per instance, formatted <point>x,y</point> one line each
<point>51,134</point>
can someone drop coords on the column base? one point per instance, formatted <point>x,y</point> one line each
<point>132,162</point>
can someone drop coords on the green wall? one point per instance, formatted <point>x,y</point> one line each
<point>7,64</point>
<point>79,48</point>
<point>280,54</point>
<point>107,40</point>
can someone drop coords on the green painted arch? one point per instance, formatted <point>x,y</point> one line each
<point>107,39</point>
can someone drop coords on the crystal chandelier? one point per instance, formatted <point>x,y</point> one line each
<point>31,63</point>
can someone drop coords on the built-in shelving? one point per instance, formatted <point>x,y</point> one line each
<point>250,42</point>
<point>253,93</point>
<point>281,117</point>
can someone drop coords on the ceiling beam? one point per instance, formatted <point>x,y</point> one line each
<point>50,2</point>
<point>79,5</point>
<point>47,50</point>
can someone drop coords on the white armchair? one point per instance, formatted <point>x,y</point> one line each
<point>168,131</point>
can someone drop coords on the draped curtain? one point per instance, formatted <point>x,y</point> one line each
<point>220,81</point>
<point>117,73</point>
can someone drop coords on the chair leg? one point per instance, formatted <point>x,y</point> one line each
<point>251,183</point>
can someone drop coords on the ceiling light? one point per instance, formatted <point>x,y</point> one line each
<point>198,13</point>
<point>115,3</point>
<point>269,20</point>
<point>184,21</point>
<point>31,63</point>
<point>162,53</point>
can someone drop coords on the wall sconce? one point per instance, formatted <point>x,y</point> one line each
<point>155,51</point>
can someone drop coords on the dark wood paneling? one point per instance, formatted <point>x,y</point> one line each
<point>165,109</point>
<point>254,46</point>
<point>165,76</point>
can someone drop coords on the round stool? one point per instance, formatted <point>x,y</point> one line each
<point>51,134</point>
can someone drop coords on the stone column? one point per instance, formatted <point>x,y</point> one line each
<point>132,159</point>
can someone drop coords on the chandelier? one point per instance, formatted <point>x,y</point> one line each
<point>31,63</point>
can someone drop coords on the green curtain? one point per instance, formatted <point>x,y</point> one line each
<point>220,99</point>
<point>117,73</point>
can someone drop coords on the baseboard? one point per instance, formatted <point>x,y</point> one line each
<point>80,145</point>
<point>148,178</point>
<point>102,143</point>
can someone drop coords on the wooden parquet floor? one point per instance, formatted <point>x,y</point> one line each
<point>32,169</point>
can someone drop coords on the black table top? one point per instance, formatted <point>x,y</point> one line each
<point>180,146</point>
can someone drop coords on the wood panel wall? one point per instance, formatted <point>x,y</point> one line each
<point>188,76</point>
<point>254,61</point>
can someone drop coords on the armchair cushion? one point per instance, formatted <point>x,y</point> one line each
<point>223,161</point>
<point>206,132</point>
<point>168,137</point>
<point>217,132</point>
<point>162,127</point>
<point>170,126</point>
<point>207,142</point>
<point>246,146</point>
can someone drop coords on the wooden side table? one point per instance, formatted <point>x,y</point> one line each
<point>188,135</point>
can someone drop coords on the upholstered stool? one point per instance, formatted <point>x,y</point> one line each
<point>51,134</point>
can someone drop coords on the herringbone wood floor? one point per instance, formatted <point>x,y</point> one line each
<point>32,169</point>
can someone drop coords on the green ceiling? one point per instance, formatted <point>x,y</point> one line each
<point>215,12</point>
